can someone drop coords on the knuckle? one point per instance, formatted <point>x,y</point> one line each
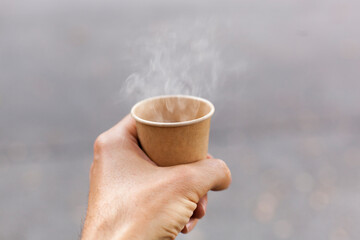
<point>101,142</point>
<point>221,165</point>
<point>100,147</point>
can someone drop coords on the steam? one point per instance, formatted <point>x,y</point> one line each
<point>182,58</point>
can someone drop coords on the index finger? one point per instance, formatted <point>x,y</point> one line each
<point>126,128</point>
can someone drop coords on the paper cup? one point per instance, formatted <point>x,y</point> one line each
<point>173,129</point>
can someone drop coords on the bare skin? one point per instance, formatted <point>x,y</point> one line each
<point>132,198</point>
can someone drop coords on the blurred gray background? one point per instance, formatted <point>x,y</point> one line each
<point>288,125</point>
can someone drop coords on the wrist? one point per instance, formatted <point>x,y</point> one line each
<point>101,230</point>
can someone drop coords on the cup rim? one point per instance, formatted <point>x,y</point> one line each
<point>173,124</point>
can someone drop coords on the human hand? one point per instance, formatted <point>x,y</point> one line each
<point>132,198</point>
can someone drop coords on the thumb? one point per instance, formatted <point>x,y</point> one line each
<point>208,174</point>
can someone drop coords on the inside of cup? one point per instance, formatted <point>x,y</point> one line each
<point>171,109</point>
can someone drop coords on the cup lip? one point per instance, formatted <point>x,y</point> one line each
<point>173,124</point>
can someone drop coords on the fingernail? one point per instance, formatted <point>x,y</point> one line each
<point>188,225</point>
<point>203,208</point>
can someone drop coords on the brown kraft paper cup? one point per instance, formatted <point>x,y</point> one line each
<point>173,129</point>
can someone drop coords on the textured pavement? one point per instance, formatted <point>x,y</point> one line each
<point>287,117</point>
